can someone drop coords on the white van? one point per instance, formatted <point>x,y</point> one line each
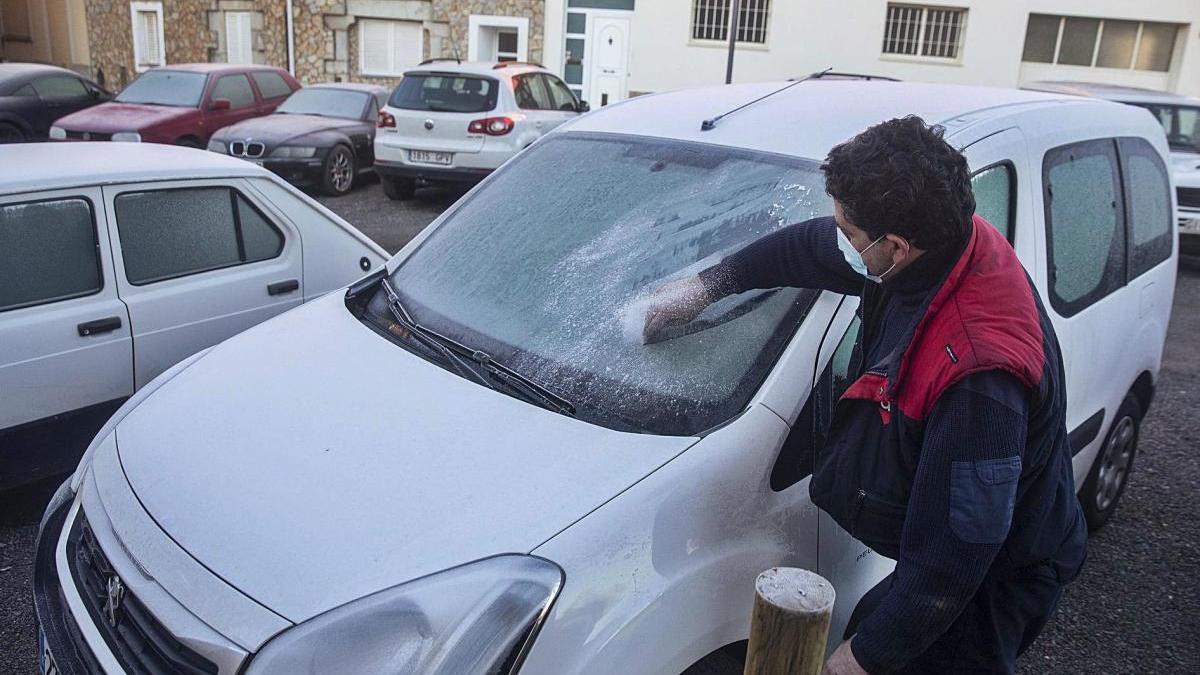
<point>119,259</point>
<point>470,463</point>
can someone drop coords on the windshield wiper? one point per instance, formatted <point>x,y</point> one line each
<point>456,353</point>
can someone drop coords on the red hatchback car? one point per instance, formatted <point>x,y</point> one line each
<point>181,104</point>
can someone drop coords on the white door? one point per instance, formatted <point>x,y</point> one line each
<point>610,57</point>
<point>238,45</point>
<point>64,333</point>
<point>198,261</point>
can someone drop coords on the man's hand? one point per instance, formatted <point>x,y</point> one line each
<point>674,304</point>
<point>842,662</point>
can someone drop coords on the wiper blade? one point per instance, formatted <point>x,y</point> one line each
<point>456,352</point>
<point>423,335</point>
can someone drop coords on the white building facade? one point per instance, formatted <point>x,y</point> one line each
<point>608,50</point>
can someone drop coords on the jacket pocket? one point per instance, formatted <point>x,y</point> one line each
<point>878,522</point>
<point>982,496</point>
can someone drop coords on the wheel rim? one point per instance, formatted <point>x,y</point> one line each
<point>1114,464</point>
<point>340,172</point>
<point>10,135</point>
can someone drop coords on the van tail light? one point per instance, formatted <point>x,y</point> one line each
<point>492,126</point>
<point>386,120</point>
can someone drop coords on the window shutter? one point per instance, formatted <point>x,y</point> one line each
<point>238,45</point>
<point>374,45</point>
<point>151,50</point>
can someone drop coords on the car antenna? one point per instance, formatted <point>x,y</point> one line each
<point>711,123</point>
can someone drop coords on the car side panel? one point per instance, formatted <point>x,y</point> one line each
<point>664,573</point>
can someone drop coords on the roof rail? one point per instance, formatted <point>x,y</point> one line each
<point>835,75</point>
<point>429,61</point>
<point>509,64</point>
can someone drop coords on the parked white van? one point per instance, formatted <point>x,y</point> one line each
<point>470,463</point>
<point>119,259</point>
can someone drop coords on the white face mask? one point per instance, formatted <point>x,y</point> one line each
<point>854,257</point>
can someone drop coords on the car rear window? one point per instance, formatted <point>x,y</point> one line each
<point>445,93</point>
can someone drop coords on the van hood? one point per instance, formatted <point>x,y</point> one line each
<point>113,117</point>
<point>309,462</point>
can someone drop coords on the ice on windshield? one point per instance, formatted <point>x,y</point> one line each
<point>550,266</point>
<point>165,87</point>
<point>327,102</point>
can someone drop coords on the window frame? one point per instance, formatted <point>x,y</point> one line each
<point>1127,189</point>
<point>1012,193</point>
<point>134,9</point>
<point>920,43</point>
<point>477,23</point>
<point>722,29</point>
<point>234,193</point>
<point>1069,308</point>
<point>95,239</point>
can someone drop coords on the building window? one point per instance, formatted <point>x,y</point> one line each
<point>497,38</point>
<point>387,48</point>
<point>14,21</point>
<point>239,47</point>
<point>1099,43</point>
<point>915,30</point>
<point>710,20</point>
<point>147,35</point>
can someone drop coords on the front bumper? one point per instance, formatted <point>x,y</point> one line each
<point>299,171</point>
<point>432,174</point>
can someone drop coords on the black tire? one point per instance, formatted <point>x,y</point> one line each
<point>337,173</point>
<point>1109,475</point>
<point>398,187</point>
<point>11,133</point>
<point>188,143</point>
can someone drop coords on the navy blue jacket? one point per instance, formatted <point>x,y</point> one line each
<point>948,452</point>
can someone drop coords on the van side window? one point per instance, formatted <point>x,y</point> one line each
<point>48,252</point>
<point>807,436</point>
<point>995,196</point>
<point>172,233</point>
<point>1148,195</point>
<point>1085,227</point>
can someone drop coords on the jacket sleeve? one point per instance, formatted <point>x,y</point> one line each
<point>803,255</point>
<point>957,519</point>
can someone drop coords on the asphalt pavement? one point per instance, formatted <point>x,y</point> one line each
<point>1134,609</point>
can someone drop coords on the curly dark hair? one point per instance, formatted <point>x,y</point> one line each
<point>901,177</point>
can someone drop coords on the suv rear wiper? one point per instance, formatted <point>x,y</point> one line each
<point>456,352</point>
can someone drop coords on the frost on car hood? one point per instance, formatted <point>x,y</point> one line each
<point>309,462</point>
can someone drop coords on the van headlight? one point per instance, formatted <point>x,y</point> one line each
<point>477,618</point>
<point>127,137</point>
<point>58,133</point>
<point>298,151</point>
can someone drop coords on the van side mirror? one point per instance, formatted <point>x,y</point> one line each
<point>583,107</point>
<point>219,104</point>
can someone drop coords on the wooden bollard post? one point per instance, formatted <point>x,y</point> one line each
<point>790,623</point>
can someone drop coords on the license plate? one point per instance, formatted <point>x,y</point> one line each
<point>1190,226</point>
<point>430,157</point>
<point>46,663</point>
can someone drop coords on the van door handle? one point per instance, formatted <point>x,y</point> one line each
<point>281,287</point>
<point>98,326</point>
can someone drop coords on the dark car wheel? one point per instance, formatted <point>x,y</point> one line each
<point>1110,472</point>
<point>10,133</point>
<point>398,188</point>
<point>337,175</point>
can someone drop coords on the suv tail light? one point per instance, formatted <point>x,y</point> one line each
<point>386,120</point>
<point>492,126</point>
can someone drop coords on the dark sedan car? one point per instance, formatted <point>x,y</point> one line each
<point>323,135</point>
<point>33,95</point>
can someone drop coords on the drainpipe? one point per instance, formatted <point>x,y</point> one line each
<point>733,28</point>
<point>291,41</point>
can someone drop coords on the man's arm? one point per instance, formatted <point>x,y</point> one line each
<point>803,255</point>
<point>959,513</point>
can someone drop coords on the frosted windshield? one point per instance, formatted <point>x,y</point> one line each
<point>548,266</point>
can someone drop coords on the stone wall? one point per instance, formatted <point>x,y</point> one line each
<point>110,42</point>
<point>457,14</point>
<point>185,31</point>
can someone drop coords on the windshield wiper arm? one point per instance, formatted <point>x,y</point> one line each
<point>457,352</point>
<point>423,335</point>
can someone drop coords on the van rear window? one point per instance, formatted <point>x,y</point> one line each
<point>445,93</point>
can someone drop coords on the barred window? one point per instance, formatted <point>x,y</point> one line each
<point>916,30</point>
<point>710,20</point>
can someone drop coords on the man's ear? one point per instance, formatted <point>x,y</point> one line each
<point>901,249</point>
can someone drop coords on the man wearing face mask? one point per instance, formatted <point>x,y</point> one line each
<point>948,451</point>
